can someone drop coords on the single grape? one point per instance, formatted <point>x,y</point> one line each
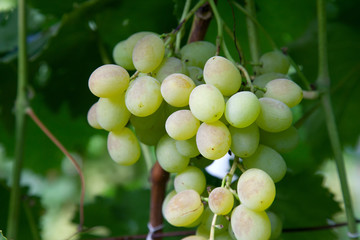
<point>268,160</point>
<point>91,117</point>
<point>168,156</point>
<point>221,201</point>
<point>213,140</point>
<point>223,74</point>
<point>196,74</point>
<point>207,103</point>
<point>167,198</point>
<point>283,142</point>
<point>250,225</point>
<point>143,96</point>
<point>275,116</point>
<point>256,189</point>
<point>197,53</point>
<point>169,66</point>
<point>148,53</point>
<point>244,141</point>
<point>284,90</point>
<point>263,79</point>
<point>150,136</point>
<point>187,147</point>
<point>182,125</point>
<point>184,208</point>
<point>274,61</point>
<point>108,80</point>
<point>190,178</point>
<point>123,146</point>
<point>111,113</point>
<point>276,225</point>
<point>242,109</point>
<point>176,89</point>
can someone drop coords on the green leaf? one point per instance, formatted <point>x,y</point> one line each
<point>302,201</point>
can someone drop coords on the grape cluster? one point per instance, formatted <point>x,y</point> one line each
<point>194,107</point>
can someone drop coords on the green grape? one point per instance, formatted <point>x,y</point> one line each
<point>206,221</point>
<point>148,53</point>
<point>221,201</point>
<point>275,116</point>
<point>283,142</point>
<point>108,80</point>
<point>200,161</point>
<point>176,89</point>
<point>268,160</point>
<point>213,140</point>
<point>196,74</point>
<point>167,198</point>
<point>223,74</point>
<point>284,90</point>
<point>276,225</point>
<point>157,118</point>
<point>169,66</point>
<point>250,225</point>
<point>168,156</point>
<point>274,61</point>
<point>190,178</point>
<point>123,146</point>
<point>224,236</point>
<point>244,141</point>
<point>122,52</point>
<point>197,53</point>
<point>262,80</point>
<point>150,136</point>
<point>242,109</point>
<point>91,117</point>
<point>184,208</point>
<point>188,147</point>
<point>182,125</point>
<point>143,96</point>
<point>256,189</point>
<point>111,113</point>
<point>207,103</point>
<point>194,237</point>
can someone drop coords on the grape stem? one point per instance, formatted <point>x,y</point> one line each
<point>20,120</point>
<point>247,77</point>
<point>181,31</point>
<point>219,26</point>
<point>212,230</point>
<point>252,30</point>
<point>47,132</point>
<point>323,82</point>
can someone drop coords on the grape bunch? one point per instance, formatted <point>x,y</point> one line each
<point>194,107</point>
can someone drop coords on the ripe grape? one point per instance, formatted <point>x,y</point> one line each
<point>197,53</point>
<point>148,53</point>
<point>108,80</point>
<point>143,96</point>
<point>268,160</point>
<point>244,141</point>
<point>111,113</point>
<point>221,201</point>
<point>284,90</point>
<point>207,103</point>
<point>123,146</point>
<point>184,208</point>
<point>262,80</point>
<point>274,61</point>
<point>188,147</point>
<point>182,125</point>
<point>168,156</point>
<point>91,117</point>
<point>283,142</point>
<point>256,189</point>
<point>166,200</point>
<point>190,178</point>
<point>242,109</point>
<point>213,140</point>
<point>250,225</point>
<point>169,66</point>
<point>275,116</point>
<point>223,74</point>
<point>176,89</point>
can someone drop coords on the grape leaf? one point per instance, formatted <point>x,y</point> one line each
<point>302,201</point>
